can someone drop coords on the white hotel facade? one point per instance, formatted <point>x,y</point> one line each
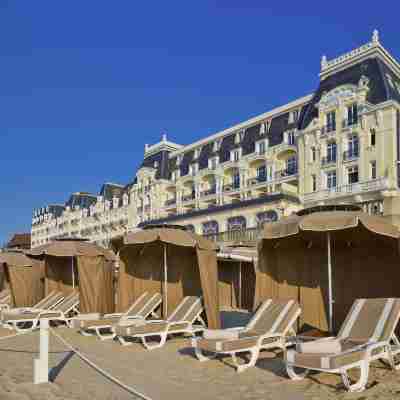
<point>338,145</point>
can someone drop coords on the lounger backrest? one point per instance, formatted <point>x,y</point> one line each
<point>187,310</point>
<point>153,302</point>
<point>370,320</point>
<point>274,316</point>
<point>50,300</point>
<point>4,296</point>
<point>138,304</point>
<point>68,303</point>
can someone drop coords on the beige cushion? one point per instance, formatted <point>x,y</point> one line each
<point>320,346</point>
<point>220,334</point>
<point>88,316</point>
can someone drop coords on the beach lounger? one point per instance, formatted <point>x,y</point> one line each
<point>5,299</point>
<point>367,334</point>
<point>181,321</point>
<point>47,303</point>
<point>142,308</point>
<point>268,328</point>
<point>29,320</point>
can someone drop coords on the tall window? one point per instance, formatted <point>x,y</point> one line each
<point>331,179</point>
<point>372,138</point>
<point>236,223</point>
<point>235,155</point>
<point>236,180</point>
<point>261,173</point>
<point>213,163</point>
<point>290,138</point>
<point>261,147</point>
<point>373,169</point>
<point>313,153</point>
<point>352,174</point>
<point>331,121</point>
<point>331,152</point>
<point>314,183</point>
<point>353,146</point>
<point>291,165</point>
<point>266,217</point>
<point>210,227</point>
<point>352,114</point>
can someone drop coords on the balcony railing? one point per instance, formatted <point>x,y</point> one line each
<point>348,123</point>
<point>288,172</point>
<point>208,192</point>
<point>170,202</point>
<point>231,187</point>
<point>345,190</point>
<point>328,160</point>
<point>351,155</point>
<point>256,180</point>
<point>188,197</point>
<point>242,235</point>
<point>325,130</point>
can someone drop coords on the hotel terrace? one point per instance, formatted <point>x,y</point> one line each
<point>338,145</point>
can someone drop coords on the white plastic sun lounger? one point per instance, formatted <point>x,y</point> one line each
<point>366,335</point>
<point>268,328</point>
<point>181,321</point>
<point>104,325</point>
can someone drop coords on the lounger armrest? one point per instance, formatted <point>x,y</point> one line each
<point>113,315</point>
<point>372,346</point>
<point>301,338</point>
<point>132,317</point>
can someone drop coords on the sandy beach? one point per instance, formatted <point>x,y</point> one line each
<point>168,373</point>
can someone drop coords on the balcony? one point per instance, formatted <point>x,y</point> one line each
<point>170,202</point>
<point>346,190</point>
<point>286,174</point>
<point>328,130</point>
<point>208,193</point>
<point>231,187</point>
<point>351,155</point>
<point>326,161</point>
<point>235,236</point>
<point>188,197</point>
<point>350,123</point>
<point>257,180</point>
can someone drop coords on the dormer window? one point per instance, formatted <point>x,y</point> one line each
<point>193,169</point>
<point>155,164</point>
<point>197,153</point>
<point>217,145</point>
<point>236,154</point>
<point>175,175</point>
<point>179,159</point>
<point>239,136</point>
<point>294,116</point>
<point>213,162</point>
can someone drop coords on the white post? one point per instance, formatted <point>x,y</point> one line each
<point>73,273</point>
<point>330,296</point>
<point>41,364</point>
<point>240,284</point>
<point>165,302</point>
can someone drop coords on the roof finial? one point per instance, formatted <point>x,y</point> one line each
<point>324,62</point>
<point>375,36</point>
<point>164,137</point>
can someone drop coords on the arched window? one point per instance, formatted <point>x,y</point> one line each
<point>236,223</point>
<point>210,228</point>
<point>265,217</point>
<point>190,228</point>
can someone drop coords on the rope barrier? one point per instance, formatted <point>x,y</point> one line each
<point>100,370</point>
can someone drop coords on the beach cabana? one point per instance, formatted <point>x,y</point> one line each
<point>326,260</point>
<point>72,264</point>
<point>25,277</point>
<point>236,277</point>
<point>170,261</point>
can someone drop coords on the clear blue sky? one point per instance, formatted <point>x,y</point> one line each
<point>84,84</point>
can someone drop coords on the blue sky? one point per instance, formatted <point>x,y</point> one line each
<point>85,84</point>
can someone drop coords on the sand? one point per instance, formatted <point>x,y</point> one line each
<point>168,373</point>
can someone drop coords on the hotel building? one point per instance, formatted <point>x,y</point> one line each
<point>338,145</point>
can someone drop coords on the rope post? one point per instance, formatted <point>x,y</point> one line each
<point>41,364</point>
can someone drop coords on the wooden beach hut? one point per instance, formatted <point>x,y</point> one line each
<point>25,277</point>
<point>73,264</point>
<point>326,260</point>
<point>170,261</point>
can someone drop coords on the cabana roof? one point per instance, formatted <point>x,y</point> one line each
<point>14,258</point>
<point>172,236</point>
<point>71,248</point>
<point>328,221</point>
